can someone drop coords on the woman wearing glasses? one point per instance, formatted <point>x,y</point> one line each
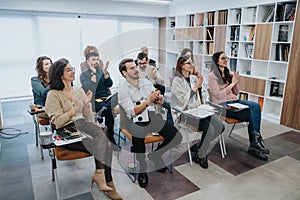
<point>223,87</point>
<point>186,94</point>
<point>67,104</point>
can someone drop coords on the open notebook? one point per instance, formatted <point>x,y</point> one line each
<point>202,111</point>
<point>238,106</point>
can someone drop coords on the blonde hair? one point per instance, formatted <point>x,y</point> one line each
<point>89,49</point>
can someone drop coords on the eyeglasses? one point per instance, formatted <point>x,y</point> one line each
<point>70,69</point>
<point>188,63</point>
<point>224,58</point>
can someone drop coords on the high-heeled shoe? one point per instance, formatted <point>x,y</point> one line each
<point>113,194</point>
<point>99,178</point>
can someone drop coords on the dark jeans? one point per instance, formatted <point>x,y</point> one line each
<point>251,115</point>
<point>167,106</point>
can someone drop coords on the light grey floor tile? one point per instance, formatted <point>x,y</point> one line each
<point>235,189</point>
<point>271,182</point>
<point>286,166</point>
<point>293,196</point>
<point>204,178</point>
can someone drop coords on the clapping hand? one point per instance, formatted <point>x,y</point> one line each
<point>105,67</point>
<point>235,77</point>
<point>199,81</point>
<point>153,73</point>
<point>88,97</point>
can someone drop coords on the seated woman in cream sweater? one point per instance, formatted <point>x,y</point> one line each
<point>186,94</point>
<point>66,104</point>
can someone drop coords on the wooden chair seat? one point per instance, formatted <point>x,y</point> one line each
<point>149,138</point>
<point>43,121</point>
<point>62,153</point>
<point>230,120</point>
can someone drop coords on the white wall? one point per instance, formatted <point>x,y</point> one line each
<point>103,7</point>
<point>182,7</point>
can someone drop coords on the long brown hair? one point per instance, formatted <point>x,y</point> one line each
<point>215,68</point>
<point>42,75</point>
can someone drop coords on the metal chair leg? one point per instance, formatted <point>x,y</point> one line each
<point>231,130</point>
<point>221,147</point>
<point>224,146</point>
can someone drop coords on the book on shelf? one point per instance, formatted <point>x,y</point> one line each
<point>243,96</point>
<point>249,50</point>
<point>207,65</point>
<point>283,33</point>
<point>234,33</point>
<point>237,16</point>
<point>199,48</point>
<point>211,48</point>
<point>268,14</point>
<point>233,64</point>
<point>251,33</point>
<point>211,18</point>
<point>191,20</point>
<point>282,52</point>
<point>249,15</point>
<point>261,103</point>
<point>274,89</point>
<point>222,17</point>
<point>289,10</point>
<point>234,49</point>
<point>209,34</point>
<point>199,19</point>
<point>285,12</point>
<point>172,23</point>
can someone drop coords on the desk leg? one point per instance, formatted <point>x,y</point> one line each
<point>36,129</point>
<point>54,172</point>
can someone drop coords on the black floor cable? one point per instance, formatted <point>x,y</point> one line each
<point>10,133</point>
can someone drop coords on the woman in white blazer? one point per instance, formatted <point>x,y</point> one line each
<point>187,94</point>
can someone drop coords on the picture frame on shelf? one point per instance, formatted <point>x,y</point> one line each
<point>207,65</point>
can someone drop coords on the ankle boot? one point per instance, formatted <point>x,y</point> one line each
<point>256,144</point>
<point>99,178</point>
<point>257,154</point>
<point>113,194</point>
<point>262,142</point>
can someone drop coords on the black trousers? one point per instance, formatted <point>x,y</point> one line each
<point>171,135</point>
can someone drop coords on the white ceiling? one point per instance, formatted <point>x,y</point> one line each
<point>161,2</point>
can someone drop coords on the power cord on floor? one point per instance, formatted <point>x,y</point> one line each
<point>10,133</point>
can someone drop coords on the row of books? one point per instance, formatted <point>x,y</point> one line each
<point>222,17</point>
<point>233,64</point>
<point>269,15</point>
<point>210,18</point>
<point>276,89</point>
<point>234,33</point>
<point>283,33</point>
<point>286,12</point>
<point>210,48</point>
<point>260,101</point>
<point>234,49</point>
<point>249,15</point>
<point>282,52</point>
<point>249,50</point>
